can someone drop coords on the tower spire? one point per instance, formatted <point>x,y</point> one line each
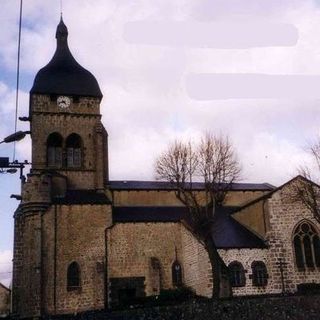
<point>61,9</point>
<point>62,32</point>
<point>63,75</point>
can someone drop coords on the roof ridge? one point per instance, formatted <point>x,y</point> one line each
<point>270,193</point>
<point>5,287</point>
<point>158,184</point>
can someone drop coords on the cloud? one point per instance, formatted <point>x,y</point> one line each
<point>267,158</point>
<point>221,35</point>
<point>5,267</point>
<point>213,86</point>
<point>144,87</point>
<point>146,103</point>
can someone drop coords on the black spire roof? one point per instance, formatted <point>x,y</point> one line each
<point>63,75</point>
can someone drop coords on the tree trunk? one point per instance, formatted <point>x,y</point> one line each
<point>220,278</point>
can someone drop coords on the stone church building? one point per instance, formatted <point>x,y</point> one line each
<point>84,242</point>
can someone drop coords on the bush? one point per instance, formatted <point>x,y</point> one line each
<point>308,288</point>
<point>166,297</point>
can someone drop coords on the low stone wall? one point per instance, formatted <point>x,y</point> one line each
<point>262,308</point>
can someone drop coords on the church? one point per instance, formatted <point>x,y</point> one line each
<point>84,242</point>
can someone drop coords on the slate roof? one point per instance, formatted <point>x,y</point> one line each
<point>227,232</point>
<point>163,185</point>
<point>82,197</point>
<point>148,214</point>
<point>63,75</point>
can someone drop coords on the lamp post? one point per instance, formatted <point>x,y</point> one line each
<point>12,167</point>
<point>17,136</point>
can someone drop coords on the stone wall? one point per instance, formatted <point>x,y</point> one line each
<point>82,118</point>
<point>281,217</point>
<point>27,263</point>
<point>4,300</point>
<point>85,105</point>
<point>132,246</point>
<point>284,216</point>
<point>246,257</point>
<point>197,267</point>
<point>46,243</point>
<point>79,237</point>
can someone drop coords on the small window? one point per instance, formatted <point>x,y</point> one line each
<point>259,274</point>
<point>73,277</point>
<point>73,146</point>
<point>236,273</point>
<point>316,245</point>
<point>306,246</point>
<point>54,150</point>
<point>298,251</point>
<point>176,274</point>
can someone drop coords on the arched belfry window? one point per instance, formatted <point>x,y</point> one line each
<point>236,273</point>
<point>259,274</point>
<point>176,271</point>
<point>73,277</point>
<point>306,245</point>
<point>54,150</point>
<point>73,147</point>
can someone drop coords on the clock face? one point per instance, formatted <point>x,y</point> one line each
<point>63,102</point>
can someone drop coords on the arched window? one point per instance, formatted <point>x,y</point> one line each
<point>176,271</point>
<point>236,273</point>
<point>259,274</point>
<point>73,146</point>
<point>54,150</point>
<point>306,245</point>
<point>73,276</point>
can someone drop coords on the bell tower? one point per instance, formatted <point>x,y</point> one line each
<point>66,130</point>
<point>64,208</point>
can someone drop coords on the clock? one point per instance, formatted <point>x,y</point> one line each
<point>63,102</point>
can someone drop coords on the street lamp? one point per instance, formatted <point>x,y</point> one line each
<point>17,136</point>
<point>11,167</point>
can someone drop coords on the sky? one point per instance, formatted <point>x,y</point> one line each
<point>174,69</point>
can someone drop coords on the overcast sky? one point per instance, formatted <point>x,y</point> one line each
<point>174,69</point>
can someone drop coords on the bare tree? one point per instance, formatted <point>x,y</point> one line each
<point>213,162</point>
<point>305,190</point>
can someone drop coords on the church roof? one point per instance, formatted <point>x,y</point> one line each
<point>227,232</point>
<point>63,75</point>
<point>148,214</point>
<point>82,197</point>
<point>164,185</point>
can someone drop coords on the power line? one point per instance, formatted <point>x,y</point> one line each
<point>18,77</point>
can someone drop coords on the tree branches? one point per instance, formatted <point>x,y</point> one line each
<point>305,190</point>
<point>217,166</point>
<point>213,161</point>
